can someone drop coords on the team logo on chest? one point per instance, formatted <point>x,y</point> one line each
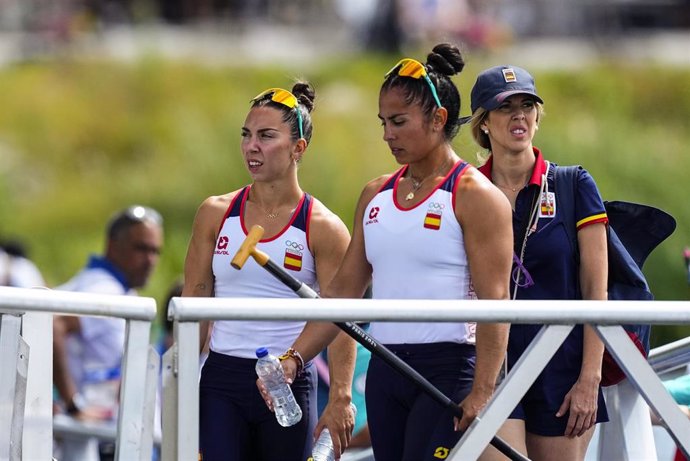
<point>293,255</point>
<point>222,245</point>
<point>373,215</point>
<point>434,212</point>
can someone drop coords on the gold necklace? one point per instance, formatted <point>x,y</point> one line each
<point>417,183</point>
<point>270,215</point>
<point>513,189</point>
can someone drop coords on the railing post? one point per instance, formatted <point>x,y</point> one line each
<point>169,405</point>
<point>19,401</point>
<point>628,435</point>
<point>37,439</point>
<point>187,340</point>
<point>10,383</point>
<point>130,423</point>
<point>149,411</point>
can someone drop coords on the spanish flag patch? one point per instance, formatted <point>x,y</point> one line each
<point>432,220</point>
<point>293,260</point>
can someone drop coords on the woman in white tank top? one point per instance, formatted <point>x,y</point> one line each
<point>436,228</point>
<point>310,241</point>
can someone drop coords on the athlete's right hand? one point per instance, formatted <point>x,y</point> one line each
<point>290,371</point>
<point>471,406</point>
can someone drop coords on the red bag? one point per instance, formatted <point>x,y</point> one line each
<point>611,373</point>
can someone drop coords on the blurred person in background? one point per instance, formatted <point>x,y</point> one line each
<point>87,351</point>
<point>561,408</point>
<point>306,239</point>
<point>16,269</point>
<point>434,229</point>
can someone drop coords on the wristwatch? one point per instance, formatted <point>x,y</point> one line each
<point>76,404</point>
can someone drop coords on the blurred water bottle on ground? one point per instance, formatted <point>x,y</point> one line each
<point>269,370</point>
<point>323,448</point>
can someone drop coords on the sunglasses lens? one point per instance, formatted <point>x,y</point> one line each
<point>285,98</point>
<point>412,68</point>
<point>280,96</point>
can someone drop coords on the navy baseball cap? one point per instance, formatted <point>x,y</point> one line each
<point>494,85</point>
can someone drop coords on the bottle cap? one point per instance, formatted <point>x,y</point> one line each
<point>261,352</point>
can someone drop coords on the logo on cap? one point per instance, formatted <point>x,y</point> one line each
<point>509,75</point>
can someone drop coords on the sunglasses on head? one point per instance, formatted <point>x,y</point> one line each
<point>285,98</point>
<point>412,68</point>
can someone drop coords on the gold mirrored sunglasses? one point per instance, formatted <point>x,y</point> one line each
<point>285,98</point>
<point>412,68</point>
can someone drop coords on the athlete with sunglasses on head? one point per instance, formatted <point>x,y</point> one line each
<point>559,411</point>
<point>309,241</point>
<point>434,229</point>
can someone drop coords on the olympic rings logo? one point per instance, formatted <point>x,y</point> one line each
<point>294,245</point>
<point>436,206</point>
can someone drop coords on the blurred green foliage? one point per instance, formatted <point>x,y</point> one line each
<point>81,139</point>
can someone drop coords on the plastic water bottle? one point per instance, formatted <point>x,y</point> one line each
<point>323,448</point>
<point>288,412</point>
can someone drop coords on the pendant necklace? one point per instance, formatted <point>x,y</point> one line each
<point>417,183</point>
<point>269,215</point>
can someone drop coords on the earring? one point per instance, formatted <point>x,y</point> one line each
<point>486,131</point>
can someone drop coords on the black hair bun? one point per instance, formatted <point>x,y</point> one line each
<point>445,59</point>
<point>305,94</point>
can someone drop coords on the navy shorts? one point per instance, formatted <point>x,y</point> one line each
<point>543,399</point>
<point>236,425</point>
<point>405,423</point>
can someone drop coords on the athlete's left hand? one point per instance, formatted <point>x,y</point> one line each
<point>340,421</point>
<point>581,404</point>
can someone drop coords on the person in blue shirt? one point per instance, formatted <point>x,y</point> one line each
<point>559,411</point>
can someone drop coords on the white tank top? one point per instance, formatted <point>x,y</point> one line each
<point>290,249</point>
<point>418,253</point>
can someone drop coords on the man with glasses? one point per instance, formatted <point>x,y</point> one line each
<point>87,351</point>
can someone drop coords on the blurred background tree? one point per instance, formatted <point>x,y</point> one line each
<point>108,103</point>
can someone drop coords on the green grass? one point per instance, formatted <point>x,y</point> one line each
<point>79,140</point>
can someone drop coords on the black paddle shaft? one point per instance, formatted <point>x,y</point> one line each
<point>382,352</point>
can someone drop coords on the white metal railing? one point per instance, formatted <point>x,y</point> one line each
<point>135,421</point>
<point>671,356</point>
<point>180,433</point>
